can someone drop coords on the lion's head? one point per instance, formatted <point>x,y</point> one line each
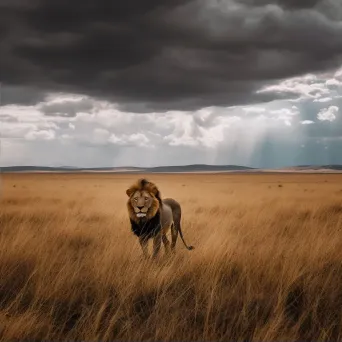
<point>144,200</point>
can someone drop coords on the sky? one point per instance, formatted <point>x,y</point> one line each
<point>171,82</point>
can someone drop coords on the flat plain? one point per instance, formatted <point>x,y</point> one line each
<point>267,263</point>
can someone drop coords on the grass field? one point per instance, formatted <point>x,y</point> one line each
<point>267,263</point>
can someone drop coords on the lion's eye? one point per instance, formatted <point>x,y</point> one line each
<point>135,198</point>
<point>146,198</point>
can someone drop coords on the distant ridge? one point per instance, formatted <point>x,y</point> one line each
<point>129,169</point>
<point>316,167</point>
<point>193,168</point>
<point>199,168</point>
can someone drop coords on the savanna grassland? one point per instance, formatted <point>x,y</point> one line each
<point>267,263</point>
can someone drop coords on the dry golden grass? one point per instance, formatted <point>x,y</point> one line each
<point>267,264</point>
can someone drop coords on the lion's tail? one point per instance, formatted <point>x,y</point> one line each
<point>177,214</point>
<point>178,226</point>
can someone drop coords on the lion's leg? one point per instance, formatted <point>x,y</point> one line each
<point>144,246</point>
<point>166,243</point>
<point>174,235</point>
<point>156,244</point>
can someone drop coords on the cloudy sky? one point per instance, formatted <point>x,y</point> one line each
<point>169,82</point>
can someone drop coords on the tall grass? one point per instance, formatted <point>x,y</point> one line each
<point>267,264</point>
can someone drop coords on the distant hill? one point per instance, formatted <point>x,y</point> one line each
<point>331,167</point>
<point>174,169</point>
<point>128,169</point>
<point>199,168</point>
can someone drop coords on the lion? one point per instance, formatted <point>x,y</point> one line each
<point>152,218</point>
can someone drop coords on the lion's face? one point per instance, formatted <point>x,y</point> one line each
<point>141,202</point>
<point>144,200</point>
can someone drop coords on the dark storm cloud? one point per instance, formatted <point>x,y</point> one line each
<point>166,54</point>
<point>22,95</point>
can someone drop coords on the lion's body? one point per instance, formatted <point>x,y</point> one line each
<point>152,217</point>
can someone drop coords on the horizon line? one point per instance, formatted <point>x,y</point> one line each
<point>166,166</point>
